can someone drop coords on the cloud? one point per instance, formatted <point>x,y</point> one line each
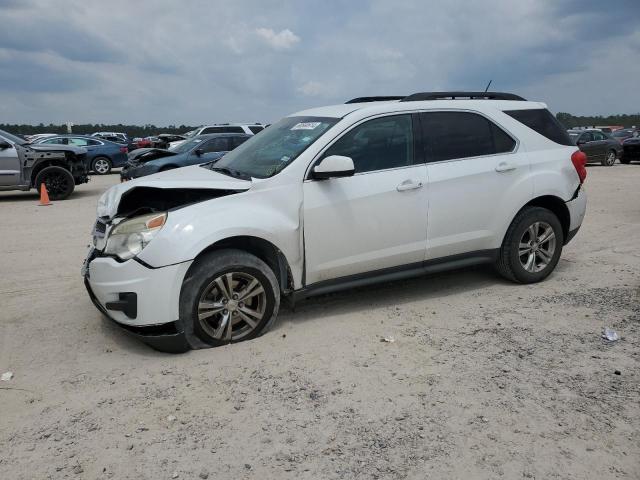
<point>283,40</point>
<point>207,61</point>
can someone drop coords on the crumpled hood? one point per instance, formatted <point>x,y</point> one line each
<point>143,155</point>
<point>180,179</point>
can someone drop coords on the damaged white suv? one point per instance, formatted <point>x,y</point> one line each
<point>377,189</point>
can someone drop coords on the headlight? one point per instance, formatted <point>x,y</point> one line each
<point>128,238</point>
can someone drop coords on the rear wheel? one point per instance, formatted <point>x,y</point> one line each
<point>532,246</point>
<point>229,296</point>
<point>101,165</point>
<point>610,158</point>
<point>58,181</point>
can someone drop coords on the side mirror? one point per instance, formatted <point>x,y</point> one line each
<point>199,152</point>
<point>333,166</point>
<point>4,145</point>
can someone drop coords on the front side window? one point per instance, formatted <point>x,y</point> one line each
<point>56,141</point>
<point>216,145</point>
<point>267,154</point>
<point>456,135</point>
<point>378,144</point>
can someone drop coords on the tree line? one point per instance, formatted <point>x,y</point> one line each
<point>86,129</point>
<point>566,119</point>
<point>571,121</point>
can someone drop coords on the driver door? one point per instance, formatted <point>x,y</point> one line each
<point>375,219</point>
<point>9,166</point>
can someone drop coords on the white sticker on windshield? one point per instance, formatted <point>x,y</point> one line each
<point>305,126</point>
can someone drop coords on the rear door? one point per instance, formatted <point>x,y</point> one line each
<point>375,219</point>
<point>600,144</point>
<point>477,175</point>
<point>587,144</point>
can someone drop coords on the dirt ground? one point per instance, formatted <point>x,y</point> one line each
<point>485,379</point>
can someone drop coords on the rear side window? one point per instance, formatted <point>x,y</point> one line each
<point>452,135</point>
<point>542,121</point>
<point>255,129</point>
<point>237,141</point>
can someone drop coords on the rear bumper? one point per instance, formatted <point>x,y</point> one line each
<point>577,210</point>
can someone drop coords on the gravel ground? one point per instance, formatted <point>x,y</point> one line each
<point>485,379</point>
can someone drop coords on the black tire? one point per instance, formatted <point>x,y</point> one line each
<point>101,166</point>
<point>58,181</point>
<point>610,158</point>
<point>509,263</point>
<point>201,278</point>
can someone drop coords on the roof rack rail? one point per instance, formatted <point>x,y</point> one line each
<point>374,99</point>
<point>461,95</point>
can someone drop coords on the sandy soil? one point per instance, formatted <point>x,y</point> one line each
<point>486,379</point>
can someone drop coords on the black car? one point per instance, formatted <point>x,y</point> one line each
<point>597,145</point>
<point>622,134</point>
<point>631,150</point>
<point>200,149</point>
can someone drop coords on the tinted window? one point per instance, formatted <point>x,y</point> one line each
<point>450,135</point>
<point>586,137</point>
<point>255,129</point>
<point>222,130</point>
<point>542,121</point>
<point>378,144</point>
<point>93,142</point>
<point>216,145</point>
<point>236,141</point>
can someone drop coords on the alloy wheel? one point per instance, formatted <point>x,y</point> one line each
<point>232,306</point>
<point>101,166</point>
<point>537,246</point>
<point>611,158</point>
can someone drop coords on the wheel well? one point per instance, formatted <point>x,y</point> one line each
<point>264,250</point>
<point>44,164</point>
<point>558,207</point>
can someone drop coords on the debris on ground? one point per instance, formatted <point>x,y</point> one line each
<point>610,334</point>
<point>388,339</point>
<point>6,376</point>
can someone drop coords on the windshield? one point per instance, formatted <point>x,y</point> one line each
<point>275,147</point>
<point>191,133</point>
<point>187,146</point>
<point>12,138</point>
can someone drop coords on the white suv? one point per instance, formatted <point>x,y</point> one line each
<point>331,198</point>
<point>248,128</point>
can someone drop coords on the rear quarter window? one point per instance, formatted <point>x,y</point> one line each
<point>542,121</point>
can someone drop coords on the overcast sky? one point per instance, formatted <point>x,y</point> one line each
<point>195,62</point>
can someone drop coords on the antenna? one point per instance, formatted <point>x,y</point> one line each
<point>488,85</point>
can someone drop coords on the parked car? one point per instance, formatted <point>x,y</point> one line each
<point>200,149</point>
<point>624,133</point>
<point>247,128</point>
<point>597,145</point>
<point>630,150</point>
<point>102,155</point>
<point>332,198</point>
<point>121,139</point>
<point>164,139</point>
<point>24,166</point>
<point>38,136</point>
<point>124,138</point>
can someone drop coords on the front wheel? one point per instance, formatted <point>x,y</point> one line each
<point>101,165</point>
<point>229,296</point>
<point>532,246</point>
<point>57,180</point>
<point>610,159</point>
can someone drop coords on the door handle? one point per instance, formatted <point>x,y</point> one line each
<point>505,167</point>
<point>408,185</point>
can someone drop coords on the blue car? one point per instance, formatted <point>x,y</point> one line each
<point>196,150</point>
<point>102,155</point>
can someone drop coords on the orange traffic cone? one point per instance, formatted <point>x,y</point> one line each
<point>44,196</point>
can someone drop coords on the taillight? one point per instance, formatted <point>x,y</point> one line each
<point>124,150</point>
<point>579,160</point>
